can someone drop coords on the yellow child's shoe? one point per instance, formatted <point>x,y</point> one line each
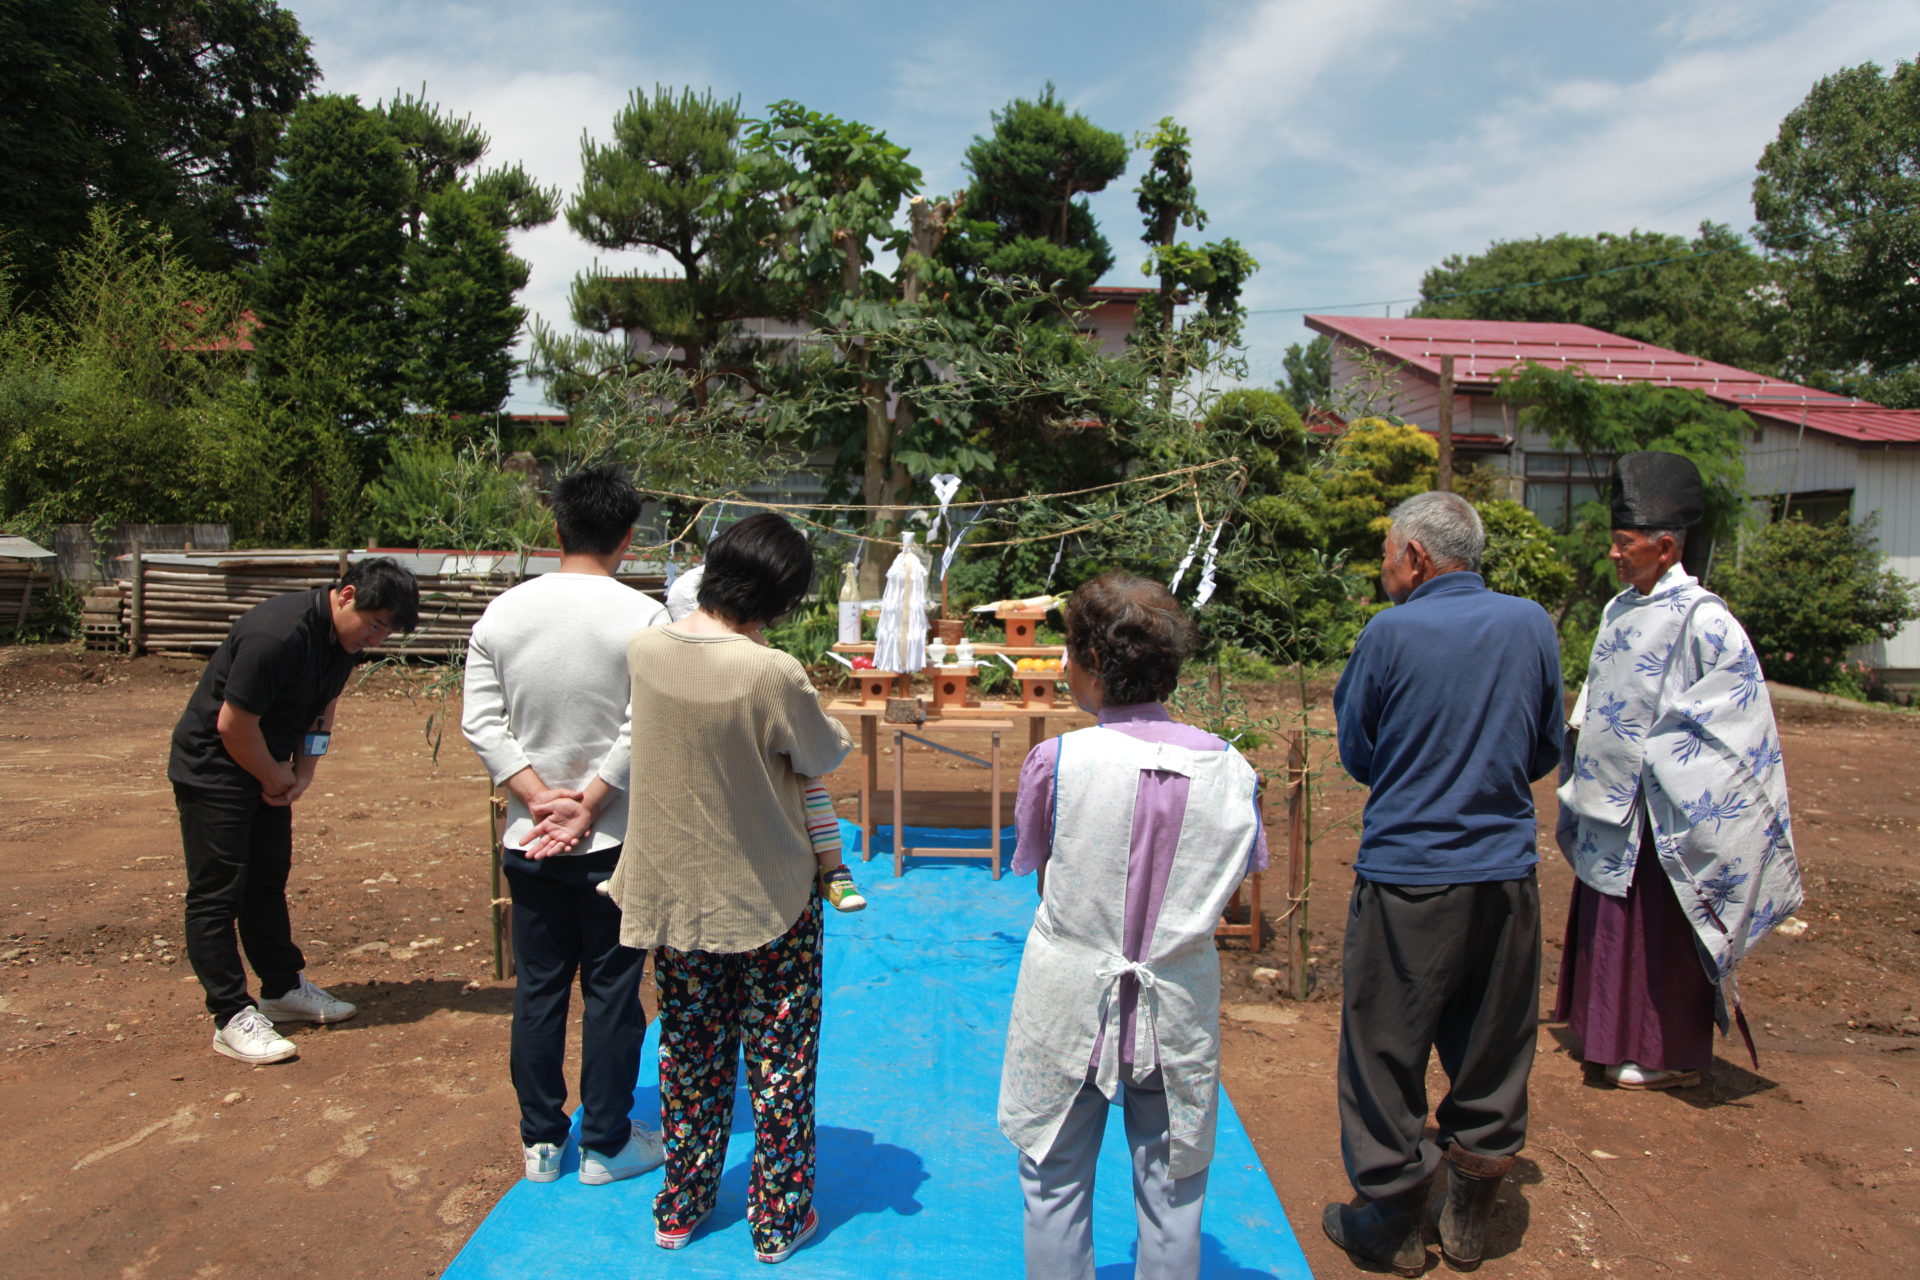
<point>838,887</point>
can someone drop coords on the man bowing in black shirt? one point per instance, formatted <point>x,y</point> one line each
<point>243,752</point>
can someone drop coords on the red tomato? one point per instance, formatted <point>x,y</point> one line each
<point>863,663</point>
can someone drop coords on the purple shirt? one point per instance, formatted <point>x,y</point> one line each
<point>1159,808</point>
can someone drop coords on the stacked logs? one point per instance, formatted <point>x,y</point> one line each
<point>188,608</point>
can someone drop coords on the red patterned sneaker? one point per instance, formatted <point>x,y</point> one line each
<point>800,1237</point>
<point>677,1237</point>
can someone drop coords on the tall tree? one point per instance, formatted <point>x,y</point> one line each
<point>173,108</point>
<point>457,301</point>
<point>458,308</point>
<point>1024,215</point>
<point>1211,275</point>
<point>1839,197</point>
<point>328,287</point>
<point>1708,296</point>
<point>657,185</point>
<point>1309,373</point>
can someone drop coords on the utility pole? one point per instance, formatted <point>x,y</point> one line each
<point>1444,481</point>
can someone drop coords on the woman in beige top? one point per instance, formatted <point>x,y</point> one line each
<point>718,877</point>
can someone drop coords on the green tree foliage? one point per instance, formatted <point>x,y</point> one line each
<point>126,399</point>
<point>1806,593</point>
<point>173,108</point>
<point>1709,296</point>
<point>328,288</point>
<point>433,494</point>
<point>1309,374</point>
<point>1838,196</point>
<point>1522,557</point>
<point>1024,219</point>
<point>660,184</point>
<point>458,309</point>
<point>1210,276</point>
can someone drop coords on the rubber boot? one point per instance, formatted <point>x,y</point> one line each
<point>1460,1217</point>
<point>1385,1232</point>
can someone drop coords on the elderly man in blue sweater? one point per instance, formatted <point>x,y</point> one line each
<point>1449,709</point>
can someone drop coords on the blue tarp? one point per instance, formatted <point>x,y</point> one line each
<point>914,1179</point>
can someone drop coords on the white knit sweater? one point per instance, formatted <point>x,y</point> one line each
<point>547,686</point>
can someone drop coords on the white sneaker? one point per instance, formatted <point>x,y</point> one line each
<point>250,1037</point>
<point>307,1003</point>
<point>1631,1075</point>
<point>642,1152</point>
<point>543,1161</point>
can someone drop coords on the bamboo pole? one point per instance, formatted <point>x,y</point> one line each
<point>136,633</point>
<point>1297,817</point>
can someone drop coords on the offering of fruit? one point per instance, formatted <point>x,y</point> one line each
<point>1037,666</point>
<point>862,663</point>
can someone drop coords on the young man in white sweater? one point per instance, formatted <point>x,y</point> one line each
<point>546,709</point>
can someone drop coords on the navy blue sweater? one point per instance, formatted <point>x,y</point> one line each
<point>1448,709</point>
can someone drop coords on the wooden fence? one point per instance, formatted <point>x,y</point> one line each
<point>185,604</point>
<point>26,589</point>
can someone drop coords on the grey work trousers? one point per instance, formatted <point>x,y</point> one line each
<point>1059,1190</point>
<point>1449,967</point>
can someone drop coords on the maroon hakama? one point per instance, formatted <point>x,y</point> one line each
<point>1632,985</point>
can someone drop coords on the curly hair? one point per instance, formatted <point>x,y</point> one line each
<point>1131,634</point>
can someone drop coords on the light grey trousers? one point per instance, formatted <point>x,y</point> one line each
<point>1059,1191</point>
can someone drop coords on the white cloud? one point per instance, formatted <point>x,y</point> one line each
<point>1247,84</point>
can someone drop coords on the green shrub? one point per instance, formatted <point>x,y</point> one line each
<point>429,495</point>
<point>1806,593</point>
<point>1522,558</point>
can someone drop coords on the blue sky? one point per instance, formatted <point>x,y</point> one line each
<point>1350,144</point>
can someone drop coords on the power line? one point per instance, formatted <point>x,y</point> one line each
<point>1740,243</point>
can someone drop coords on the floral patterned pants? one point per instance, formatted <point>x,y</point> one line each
<point>714,1005</point>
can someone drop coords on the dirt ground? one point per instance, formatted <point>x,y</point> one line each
<point>136,1152</point>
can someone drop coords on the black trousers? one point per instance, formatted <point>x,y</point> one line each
<point>1448,967</point>
<point>239,849</point>
<point>561,926</point>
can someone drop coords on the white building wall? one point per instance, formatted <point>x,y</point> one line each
<point>1785,460</point>
<point>1889,485</point>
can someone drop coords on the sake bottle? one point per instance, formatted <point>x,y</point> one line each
<point>849,604</point>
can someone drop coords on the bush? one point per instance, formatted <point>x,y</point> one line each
<point>429,495</point>
<point>1522,558</point>
<point>1806,593</point>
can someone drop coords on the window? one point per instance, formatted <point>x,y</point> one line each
<point>1558,483</point>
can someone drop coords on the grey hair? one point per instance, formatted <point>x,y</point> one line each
<point>1446,525</point>
<point>1679,537</point>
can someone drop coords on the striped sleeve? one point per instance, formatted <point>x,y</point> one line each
<point>823,826</point>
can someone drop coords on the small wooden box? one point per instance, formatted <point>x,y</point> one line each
<point>1037,690</point>
<point>875,687</point>
<point>1021,625</point>
<point>952,686</point>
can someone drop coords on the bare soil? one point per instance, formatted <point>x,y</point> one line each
<point>135,1152</point>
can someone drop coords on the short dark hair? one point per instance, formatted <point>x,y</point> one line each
<point>594,510</point>
<point>384,583</point>
<point>1131,634</point>
<point>756,570</point>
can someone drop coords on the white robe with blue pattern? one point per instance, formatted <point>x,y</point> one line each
<point>1688,738</point>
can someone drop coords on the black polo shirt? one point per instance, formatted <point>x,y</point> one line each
<point>281,662</point>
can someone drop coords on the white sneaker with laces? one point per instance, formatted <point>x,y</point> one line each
<point>642,1152</point>
<point>543,1161</point>
<point>249,1036</point>
<point>307,1003</point>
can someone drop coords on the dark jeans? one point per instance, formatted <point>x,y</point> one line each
<point>1448,967</point>
<point>562,926</point>
<point>239,849</point>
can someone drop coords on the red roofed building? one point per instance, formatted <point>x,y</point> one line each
<point>1812,451</point>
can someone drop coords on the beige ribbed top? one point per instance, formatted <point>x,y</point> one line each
<point>717,856</point>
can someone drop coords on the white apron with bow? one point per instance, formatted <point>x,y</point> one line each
<point>1067,999</point>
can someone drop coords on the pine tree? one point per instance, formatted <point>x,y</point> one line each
<point>328,288</point>
<point>458,309</point>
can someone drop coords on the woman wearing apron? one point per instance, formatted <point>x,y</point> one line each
<point>1144,827</point>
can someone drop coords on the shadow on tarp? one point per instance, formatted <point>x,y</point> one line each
<point>913,1176</point>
